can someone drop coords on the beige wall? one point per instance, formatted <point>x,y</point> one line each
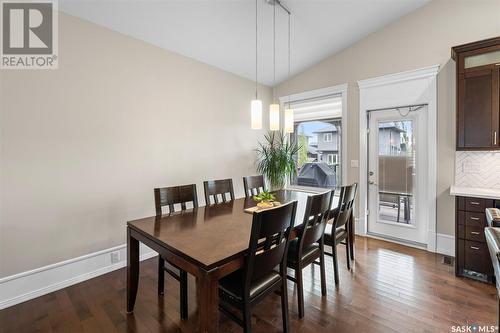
<point>84,146</point>
<point>423,38</point>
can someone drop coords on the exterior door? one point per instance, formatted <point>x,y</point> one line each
<point>397,174</point>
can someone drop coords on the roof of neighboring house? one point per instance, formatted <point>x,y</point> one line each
<point>329,128</point>
<point>390,126</point>
<point>312,150</point>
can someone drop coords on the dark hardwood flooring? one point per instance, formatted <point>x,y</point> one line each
<point>391,288</point>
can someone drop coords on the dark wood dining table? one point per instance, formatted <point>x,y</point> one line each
<point>208,242</point>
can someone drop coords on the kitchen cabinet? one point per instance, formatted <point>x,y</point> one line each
<point>471,251</point>
<point>478,95</point>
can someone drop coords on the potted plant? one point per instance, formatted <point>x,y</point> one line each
<point>276,158</point>
<point>265,200</point>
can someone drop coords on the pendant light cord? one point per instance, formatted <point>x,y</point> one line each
<point>274,46</point>
<point>289,47</point>
<point>256,46</point>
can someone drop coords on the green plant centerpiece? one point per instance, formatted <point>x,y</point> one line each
<point>265,200</point>
<point>276,158</point>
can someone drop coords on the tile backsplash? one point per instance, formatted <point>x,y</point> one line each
<point>477,169</point>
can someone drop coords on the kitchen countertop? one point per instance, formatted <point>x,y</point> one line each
<point>476,192</point>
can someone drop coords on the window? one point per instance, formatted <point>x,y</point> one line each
<point>318,131</point>
<point>332,159</point>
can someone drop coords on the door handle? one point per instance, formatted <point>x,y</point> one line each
<point>495,138</point>
<point>371,182</point>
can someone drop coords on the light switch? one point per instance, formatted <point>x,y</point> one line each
<point>354,164</point>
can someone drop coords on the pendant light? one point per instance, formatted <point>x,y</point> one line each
<point>274,108</point>
<point>256,104</point>
<point>289,119</point>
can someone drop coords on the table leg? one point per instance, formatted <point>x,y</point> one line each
<point>351,235</point>
<point>132,270</point>
<point>207,292</point>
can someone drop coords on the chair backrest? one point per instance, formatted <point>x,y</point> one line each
<point>169,196</point>
<point>269,242</point>
<point>345,206</point>
<point>253,185</point>
<point>316,215</point>
<point>214,188</point>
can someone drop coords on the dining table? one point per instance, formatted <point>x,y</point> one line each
<point>208,242</point>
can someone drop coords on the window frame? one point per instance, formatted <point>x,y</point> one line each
<point>328,135</point>
<point>334,157</point>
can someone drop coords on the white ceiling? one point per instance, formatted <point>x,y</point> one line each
<point>222,32</point>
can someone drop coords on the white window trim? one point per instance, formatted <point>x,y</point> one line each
<point>341,90</point>
<point>406,88</point>
<point>334,158</point>
<point>327,135</point>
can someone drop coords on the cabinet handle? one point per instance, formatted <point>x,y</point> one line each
<point>474,247</point>
<point>474,233</point>
<point>474,203</point>
<point>495,138</point>
<point>474,218</point>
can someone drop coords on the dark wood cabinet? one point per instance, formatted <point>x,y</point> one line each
<point>478,95</point>
<point>472,258</point>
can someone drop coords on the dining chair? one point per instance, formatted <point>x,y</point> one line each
<point>253,185</point>
<point>337,232</point>
<point>214,188</point>
<point>267,249</point>
<point>171,196</point>
<point>308,246</point>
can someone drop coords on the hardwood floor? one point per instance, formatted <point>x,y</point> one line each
<point>391,288</point>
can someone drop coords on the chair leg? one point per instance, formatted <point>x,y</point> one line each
<point>183,281</point>
<point>300,290</point>
<point>284,305</point>
<point>348,257</point>
<point>351,236</point>
<point>323,274</point>
<point>161,275</point>
<point>247,319</point>
<point>335,264</point>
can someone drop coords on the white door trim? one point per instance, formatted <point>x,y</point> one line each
<point>323,92</point>
<point>406,88</point>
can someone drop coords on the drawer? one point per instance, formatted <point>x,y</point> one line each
<point>477,257</point>
<point>474,233</point>
<point>475,219</point>
<point>474,205</point>
<point>477,204</point>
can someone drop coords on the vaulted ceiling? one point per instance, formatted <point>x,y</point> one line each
<point>222,32</point>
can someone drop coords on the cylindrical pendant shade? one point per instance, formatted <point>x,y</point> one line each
<point>256,113</point>
<point>274,117</point>
<point>288,121</point>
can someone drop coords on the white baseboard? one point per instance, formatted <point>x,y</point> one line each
<point>24,286</point>
<point>445,244</point>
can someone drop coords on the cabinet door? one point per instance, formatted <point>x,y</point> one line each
<point>478,109</point>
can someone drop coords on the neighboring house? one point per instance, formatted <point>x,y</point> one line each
<point>328,146</point>
<point>312,153</point>
<point>389,137</point>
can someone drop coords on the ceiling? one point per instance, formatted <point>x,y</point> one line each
<point>222,32</point>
